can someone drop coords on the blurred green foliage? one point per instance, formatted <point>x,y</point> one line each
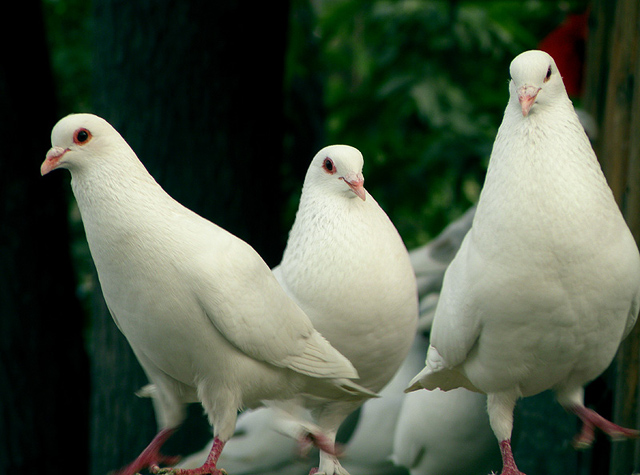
<point>68,24</point>
<point>419,86</point>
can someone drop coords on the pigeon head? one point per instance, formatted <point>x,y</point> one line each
<point>79,139</point>
<point>338,168</point>
<point>535,80</point>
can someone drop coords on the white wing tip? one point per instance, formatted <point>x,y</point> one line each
<point>321,360</point>
<point>415,383</point>
<point>148,390</point>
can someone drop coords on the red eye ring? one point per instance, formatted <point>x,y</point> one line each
<point>328,166</point>
<point>81,136</point>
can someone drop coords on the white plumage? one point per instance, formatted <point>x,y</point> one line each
<point>348,269</point>
<point>547,282</point>
<point>430,262</point>
<point>369,450</point>
<point>419,430</point>
<point>443,433</point>
<point>257,448</point>
<point>438,432</point>
<point>202,311</point>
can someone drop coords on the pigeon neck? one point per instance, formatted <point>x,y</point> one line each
<point>117,198</point>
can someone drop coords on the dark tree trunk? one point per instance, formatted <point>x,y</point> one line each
<point>43,366</point>
<point>196,89</point>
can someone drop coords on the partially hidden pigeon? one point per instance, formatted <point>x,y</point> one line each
<point>424,418</point>
<point>443,433</point>
<point>347,267</point>
<point>546,283</point>
<point>369,448</point>
<point>438,432</point>
<point>431,260</point>
<point>201,310</point>
<point>257,448</point>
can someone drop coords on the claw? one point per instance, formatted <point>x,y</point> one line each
<point>151,455</point>
<point>209,467</point>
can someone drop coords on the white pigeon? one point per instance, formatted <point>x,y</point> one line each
<point>546,283</point>
<point>443,433</point>
<point>347,267</point>
<point>256,448</point>
<point>201,310</point>
<point>430,262</point>
<point>259,447</point>
<point>369,448</point>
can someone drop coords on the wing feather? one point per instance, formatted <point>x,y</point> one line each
<point>244,301</point>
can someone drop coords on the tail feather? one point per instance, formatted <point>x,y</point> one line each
<point>446,380</point>
<point>342,389</point>
<point>321,360</point>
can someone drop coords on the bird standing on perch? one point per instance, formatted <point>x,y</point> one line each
<point>546,283</point>
<point>201,310</point>
<point>347,267</point>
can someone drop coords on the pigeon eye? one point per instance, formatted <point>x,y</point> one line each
<point>548,74</point>
<point>328,166</point>
<point>81,136</point>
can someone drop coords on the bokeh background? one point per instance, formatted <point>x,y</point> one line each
<point>226,103</point>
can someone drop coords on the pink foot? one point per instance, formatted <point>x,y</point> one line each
<point>508,463</point>
<point>304,446</point>
<point>319,440</point>
<point>209,467</point>
<point>313,471</point>
<point>590,420</point>
<point>585,438</point>
<point>151,455</point>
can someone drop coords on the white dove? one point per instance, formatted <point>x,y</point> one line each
<point>347,267</point>
<point>369,449</point>
<point>201,310</point>
<point>443,433</point>
<point>546,283</point>
<point>371,445</point>
<point>257,448</point>
<point>430,262</point>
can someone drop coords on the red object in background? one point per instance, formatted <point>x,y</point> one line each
<point>567,45</point>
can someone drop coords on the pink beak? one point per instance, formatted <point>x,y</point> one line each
<point>356,183</point>
<point>53,158</point>
<point>527,96</point>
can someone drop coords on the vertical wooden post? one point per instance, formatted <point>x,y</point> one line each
<point>613,98</point>
<point>614,144</point>
<point>632,215</point>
